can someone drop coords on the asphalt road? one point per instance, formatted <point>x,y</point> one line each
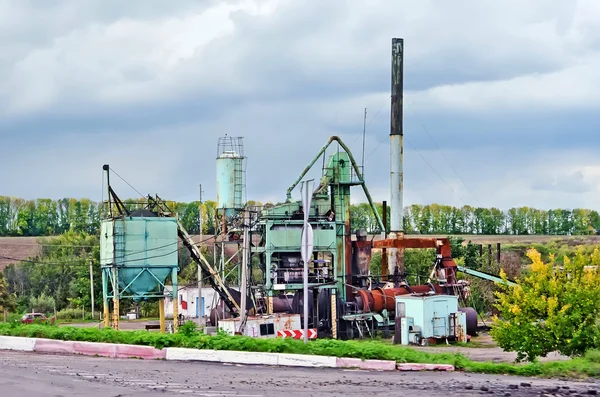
<point>29,375</point>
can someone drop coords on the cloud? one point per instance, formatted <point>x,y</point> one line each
<point>498,96</point>
<point>574,183</point>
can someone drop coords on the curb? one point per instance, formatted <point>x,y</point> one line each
<point>114,350</point>
<point>424,367</point>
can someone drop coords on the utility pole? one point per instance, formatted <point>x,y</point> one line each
<point>306,190</point>
<point>200,306</point>
<point>363,148</point>
<point>92,285</point>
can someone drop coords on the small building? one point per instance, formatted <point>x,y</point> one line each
<point>188,302</point>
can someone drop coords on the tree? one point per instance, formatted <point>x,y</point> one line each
<point>7,300</point>
<point>553,308</point>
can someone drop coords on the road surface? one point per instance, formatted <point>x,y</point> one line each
<point>39,375</point>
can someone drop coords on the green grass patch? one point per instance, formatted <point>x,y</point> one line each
<point>587,366</point>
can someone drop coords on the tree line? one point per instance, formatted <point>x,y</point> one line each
<point>46,217</point>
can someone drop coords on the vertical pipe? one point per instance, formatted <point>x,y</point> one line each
<point>384,264</point>
<point>175,300</point>
<point>200,310</point>
<point>396,256</point>
<point>106,168</point>
<point>489,254</point>
<point>161,314</point>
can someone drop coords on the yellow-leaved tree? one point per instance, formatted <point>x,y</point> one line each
<point>553,308</point>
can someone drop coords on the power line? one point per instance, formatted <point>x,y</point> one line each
<point>449,163</point>
<point>128,254</point>
<point>433,169</point>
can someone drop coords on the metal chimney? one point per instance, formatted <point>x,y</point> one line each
<point>396,255</point>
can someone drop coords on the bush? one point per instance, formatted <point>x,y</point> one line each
<point>553,308</point>
<point>42,304</point>
<point>75,314</point>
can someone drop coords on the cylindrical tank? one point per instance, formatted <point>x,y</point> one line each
<point>385,298</point>
<point>230,180</point>
<point>471,320</point>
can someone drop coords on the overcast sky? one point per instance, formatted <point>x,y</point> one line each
<point>502,98</point>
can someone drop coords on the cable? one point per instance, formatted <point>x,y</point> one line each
<point>137,191</point>
<point>123,256</point>
<point>449,163</point>
<point>426,162</point>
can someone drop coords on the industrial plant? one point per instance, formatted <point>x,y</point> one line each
<point>315,279</point>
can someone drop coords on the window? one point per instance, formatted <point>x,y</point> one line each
<point>267,329</point>
<point>400,309</point>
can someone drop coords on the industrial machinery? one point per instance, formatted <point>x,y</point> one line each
<point>344,299</point>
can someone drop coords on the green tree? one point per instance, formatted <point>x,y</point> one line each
<point>7,300</point>
<point>553,308</point>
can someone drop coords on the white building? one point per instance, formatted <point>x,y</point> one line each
<point>188,302</point>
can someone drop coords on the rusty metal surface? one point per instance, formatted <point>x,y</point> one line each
<point>397,86</point>
<point>282,304</point>
<point>379,299</point>
<point>361,257</point>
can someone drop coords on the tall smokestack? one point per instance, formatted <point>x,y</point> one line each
<point>396,256</point>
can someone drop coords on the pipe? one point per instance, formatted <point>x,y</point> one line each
<point>356,169</point>
<point>384,264</point>
<point>379,299</point>
<point>396,255</point>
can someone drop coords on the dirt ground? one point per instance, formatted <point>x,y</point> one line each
<point>484,349</point>
<point>29,375</point>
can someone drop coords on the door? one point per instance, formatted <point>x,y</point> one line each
<point>440,317</point>
<point>199,307</point>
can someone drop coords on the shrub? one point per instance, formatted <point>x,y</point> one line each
<point>553,308</point>
<point>42,304</point>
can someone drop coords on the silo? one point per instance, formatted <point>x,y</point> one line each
<point>140,251</point>
<point>230,175</point>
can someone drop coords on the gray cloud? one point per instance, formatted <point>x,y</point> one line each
<point>507,91</point>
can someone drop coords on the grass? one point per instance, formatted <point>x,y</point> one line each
<point>587,366</point>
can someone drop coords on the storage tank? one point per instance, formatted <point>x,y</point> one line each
<point>145,251</point>
<point>230,181</point>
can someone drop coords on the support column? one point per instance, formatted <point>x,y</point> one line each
<point>115,298</point>
<point>270,303</point>
<point>175,300</point>
<point>161,314</point>
<point>105,302</point>
<point>334,324</point>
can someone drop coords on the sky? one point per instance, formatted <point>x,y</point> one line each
<point>501,99</point>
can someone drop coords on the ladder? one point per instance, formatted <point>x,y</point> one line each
<point>238,182</point>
